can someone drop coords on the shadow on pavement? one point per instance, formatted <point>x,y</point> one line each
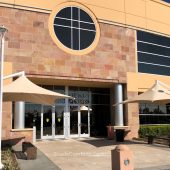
<point>101,142</point>
<point>20,155</point>
<point>41,162</point>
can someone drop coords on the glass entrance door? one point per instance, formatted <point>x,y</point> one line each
<point>74,121</point>
<point>84,125</point>
<point>47,122</point>
<point>59,121</point>
<point>79,122</point>
<point>52,122</point>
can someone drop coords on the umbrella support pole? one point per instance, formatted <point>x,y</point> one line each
<point>20,106</point>
<point>22,73</point>
<point>3,30</point>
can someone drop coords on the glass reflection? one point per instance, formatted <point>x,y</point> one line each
<point>73,119</point>
<point>47,121</point>
<point>84,122</point>
<point>154,114</point>
<point>59,115</point>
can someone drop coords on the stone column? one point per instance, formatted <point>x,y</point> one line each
<point>19,116</point>
<point>118,89</point>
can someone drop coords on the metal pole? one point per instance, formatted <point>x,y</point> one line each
<point>119,108</point>
<point>22,73</point>
<point>2,34</point>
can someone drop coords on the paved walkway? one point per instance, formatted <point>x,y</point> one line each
<point>95,154</point>
<point>41,163</point>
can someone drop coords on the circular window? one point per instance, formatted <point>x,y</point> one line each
<point>74,28</point>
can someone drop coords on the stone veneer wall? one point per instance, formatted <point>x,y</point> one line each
<point>6,120</point>
<point>9,136</point>
<point>132,117</point>
<point>30,48</point>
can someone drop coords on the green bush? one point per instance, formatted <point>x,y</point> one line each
<point>154,130</point>
<point>8,159</point>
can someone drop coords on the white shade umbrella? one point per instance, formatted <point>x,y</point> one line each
<point>159,93</point>
<point>22,89</point>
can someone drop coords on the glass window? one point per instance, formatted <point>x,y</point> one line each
<point>65,13</point>
<point>87,38</point>
<point>153,69</point>
<point>153,53</point>
<point>154,114</point>
<point>153,38</point>
<point>142,57</point>
<point>74,28</point>
<point>63,34</point>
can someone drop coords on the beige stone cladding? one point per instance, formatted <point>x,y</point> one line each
<point>132,117</point>
<point>29,47</point>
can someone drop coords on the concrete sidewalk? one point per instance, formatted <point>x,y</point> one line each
<point>95,154</point>
<point>41,163</point>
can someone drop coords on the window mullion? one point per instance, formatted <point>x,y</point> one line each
<point>71,27</point>
<point>79,26</point>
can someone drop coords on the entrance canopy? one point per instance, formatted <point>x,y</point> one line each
<point>159,93</point>
<point>22,89</point>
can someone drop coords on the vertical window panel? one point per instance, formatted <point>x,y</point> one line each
<point>64,35</point>
<point>75,39</point>
<point>86,38</point>
<point>65,13</point>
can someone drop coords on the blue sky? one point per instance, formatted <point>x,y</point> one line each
<point>167,1</point>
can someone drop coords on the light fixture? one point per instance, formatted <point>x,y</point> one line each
<point>85,108</point>
<point>3,29</point>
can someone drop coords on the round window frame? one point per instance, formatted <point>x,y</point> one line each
<point>57,41</point>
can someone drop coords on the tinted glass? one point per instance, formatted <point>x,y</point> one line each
<point>85,17</point>
<point>63,22</point>
<point>153,59</point>
<point>75,39</point>
<point>147,68</point>
<point>74,28</point>
<point>75,24</point>
<point>75,13</point>
<point>153,49</point>
<point>153,38</point>
<point>87,37</point>
<point>65,13</point>
<point>64,35</point>
<point>87,26</point>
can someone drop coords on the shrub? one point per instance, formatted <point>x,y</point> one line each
<point>154,130</point>
<point>8,159</point>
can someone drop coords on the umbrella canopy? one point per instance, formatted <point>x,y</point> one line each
<point>22,89</point>
<point>159,93</point>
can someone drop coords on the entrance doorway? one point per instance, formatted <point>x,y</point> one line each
<point>66,119</point>
<point>79,122</point>
<point>52,122</point>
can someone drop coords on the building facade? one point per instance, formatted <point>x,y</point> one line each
<point>98,52</point>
